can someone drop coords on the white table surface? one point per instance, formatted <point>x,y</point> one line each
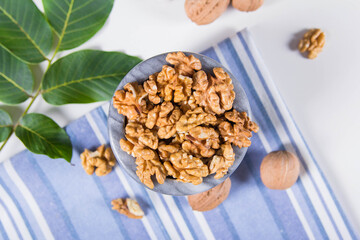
<point>323,95</point>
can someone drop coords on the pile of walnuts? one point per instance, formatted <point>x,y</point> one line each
<point>180,122</point>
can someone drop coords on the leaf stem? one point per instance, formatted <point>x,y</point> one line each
<point>7,139</point>
<point>38,91</point>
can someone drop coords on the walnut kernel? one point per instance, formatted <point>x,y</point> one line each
<point>128,207</point>
<point>102,159</point>
<point>313,41</point>
<point>181,122</point>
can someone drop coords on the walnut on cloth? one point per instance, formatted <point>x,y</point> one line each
<point>181,123</point>
<point>102,159</point>
<point>129,207</point>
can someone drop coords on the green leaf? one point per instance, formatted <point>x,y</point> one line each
<point>24,30</point>
<point>16,79</point>
<point>42,135</point>
<point>86,76</point>
<point>76,21</point>
<point>5,125</point>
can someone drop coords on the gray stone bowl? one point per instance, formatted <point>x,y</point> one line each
<point>116,122</point>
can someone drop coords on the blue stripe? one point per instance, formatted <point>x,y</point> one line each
<point>186,219</point>
<point>53,214</point>
<point>156,215</point>
<point>103,196</point>
<point>171,216</point>
<point>283,122</point>
<point>261,114</point>
<point>218,224</point>
<point>269,203</point>
<point>91,206</point>
<point>98,115</point>
<point>189,214</point>
<point>228,221</point>
<point>347,223</point>
<point>55,196</point>
<point>114,214</point>
<point>22,201</point>
<point>15,201</point>
<point>244,74</point>
<point>10,217</point>
<point>2,232</point>
<point>135,186</point>
<point>249,195</point>
<point>275,140</point>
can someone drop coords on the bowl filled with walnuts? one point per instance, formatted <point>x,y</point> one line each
<point>178,123</point>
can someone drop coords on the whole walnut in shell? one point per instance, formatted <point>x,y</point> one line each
<point>204,12</point>
<point>247,5</point>
<point>210,199</point>
<point>279,170</point>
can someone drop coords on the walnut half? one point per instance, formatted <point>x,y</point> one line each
<point>102,159</point>
<point>313,41</point>
<point>128,207</point>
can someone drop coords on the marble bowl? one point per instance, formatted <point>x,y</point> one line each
<point>140,73</point>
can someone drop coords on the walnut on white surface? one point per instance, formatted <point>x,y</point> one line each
<point>313,42</point>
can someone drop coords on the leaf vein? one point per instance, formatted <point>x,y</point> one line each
<point>82,80</point>
<point>23,31</point>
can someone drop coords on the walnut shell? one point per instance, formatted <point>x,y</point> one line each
<point>279,170</point>
<point>210,199</point>
<point>204,12</point>
<point>247,5</point>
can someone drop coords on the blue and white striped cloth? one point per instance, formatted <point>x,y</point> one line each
<point>41,198</point>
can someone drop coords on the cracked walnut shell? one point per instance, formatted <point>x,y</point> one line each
<point>313,41</point>
<point>128,207</point>
<point>102,159</point>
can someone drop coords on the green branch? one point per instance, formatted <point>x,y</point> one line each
<point>38,91</point>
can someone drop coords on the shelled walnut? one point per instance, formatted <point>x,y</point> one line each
<point>130,101</point>
<point>102,159</point>
<point>313,41</point>
<point>186,168</point>
<point>128,207</point>
<point>215,94</point>
<point>182,123</point>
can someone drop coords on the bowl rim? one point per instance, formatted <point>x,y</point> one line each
<point>160,187</point>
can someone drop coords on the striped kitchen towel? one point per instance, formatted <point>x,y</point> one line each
<point>42,198</point>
